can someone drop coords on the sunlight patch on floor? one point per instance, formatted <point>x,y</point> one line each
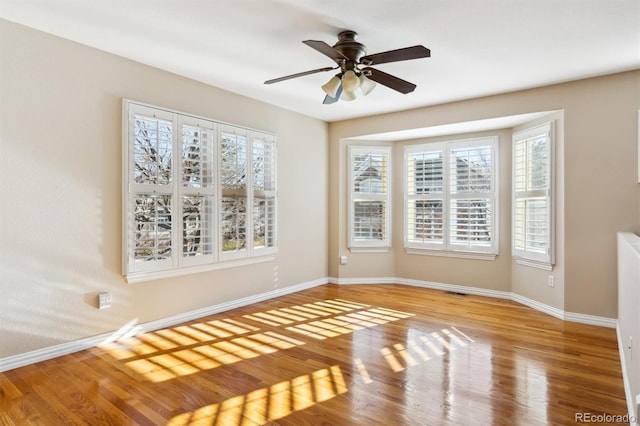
<point>188,349</point>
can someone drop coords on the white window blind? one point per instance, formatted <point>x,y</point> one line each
<point>532,196</point>
<point>425,197</point>
<point>197,190</point>
<point>188,184</point>
<point>451,196</point>
<point>471,196</point>
<point>263,162</point>
<point>369,197</point>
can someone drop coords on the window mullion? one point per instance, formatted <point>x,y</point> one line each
<point>446,196</point>
<point>249,190</point>
<point>176,201</point>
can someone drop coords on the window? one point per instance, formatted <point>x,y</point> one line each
<point>451,198</point>
<point>196,193</point>
<point>532,197</point>
<point>369,197</point>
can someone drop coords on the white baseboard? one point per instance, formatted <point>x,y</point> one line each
<point>20,360</point>
<point>547,309</point>
<point>50,352</point>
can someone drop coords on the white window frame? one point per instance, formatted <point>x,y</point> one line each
<point>211,256</point>
<point>369,245</point>
<point>446,247</point>
<point>545,258</point>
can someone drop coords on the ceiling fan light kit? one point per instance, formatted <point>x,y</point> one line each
<point>366,85</point>
<point>331,86</point>
<point>355,67</point>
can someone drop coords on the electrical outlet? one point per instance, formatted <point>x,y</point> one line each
<point>551,282</point>
<point>104,300</point>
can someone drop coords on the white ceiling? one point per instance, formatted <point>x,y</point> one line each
<point>478,47</point>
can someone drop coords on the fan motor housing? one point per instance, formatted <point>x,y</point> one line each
<point>349,47</point>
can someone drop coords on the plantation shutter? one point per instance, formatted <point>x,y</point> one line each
<point>263,179</point>
<point>234,197</point>
<point>532,202</point>
<point>196,194</point>
<point>425,197</point>
<point>471,192</point>
<point>197,190</point>
<point>369,197</point>
<point>451,197</point>
<point>151,236</point>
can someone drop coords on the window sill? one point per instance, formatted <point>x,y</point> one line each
<point>534,264</point>
<point>136,277</point>
<point>457,254</point>
<point>369,249</point>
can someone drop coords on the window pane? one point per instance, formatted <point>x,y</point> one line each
<point>233,152</point>
<point>470,222</point>
<point>197,232</point>
<point>369,171</point>
<point>425,221</point>
<point>531,229</point>
<point>471,169</point>
<point>264,174</point>
<point>152,221</point>
<point>263,222</point>
<point>196,157</point>
<point>152,150</point>
<point>425,173</point>
<point>520,166</point>
<point>531,164</point>
<point>369,220</point>
<point>538,163</point>
<point>234,213</point>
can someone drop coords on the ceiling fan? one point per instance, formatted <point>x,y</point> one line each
<point>355,67</point>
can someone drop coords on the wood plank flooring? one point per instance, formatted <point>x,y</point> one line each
<point>334,355</point>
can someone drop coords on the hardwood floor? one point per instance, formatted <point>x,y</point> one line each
<point>335,355</point>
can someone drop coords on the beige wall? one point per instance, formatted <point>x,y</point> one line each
<point>60,180</point>
<point>598,192</point>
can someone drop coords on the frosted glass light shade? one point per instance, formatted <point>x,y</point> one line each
<point>331,87</point>
<point>366,85</point>
<point>347,95</point>
<point>350,81</point>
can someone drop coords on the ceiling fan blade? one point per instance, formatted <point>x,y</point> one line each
<point>404,54</point>
<point>300,74</point>
<point>325,49</point>
<point>389,80</point>
<point>329,100</point>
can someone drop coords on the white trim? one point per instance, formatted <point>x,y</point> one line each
<point>20,360</point>
<point>369,249</point>
<point>137,277</point>
<point>534,263</point>
<point>549,310</point>
<point>631,407</point>
<point>450,253</point>
<point>590,319</point>
<point>476,291</point>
